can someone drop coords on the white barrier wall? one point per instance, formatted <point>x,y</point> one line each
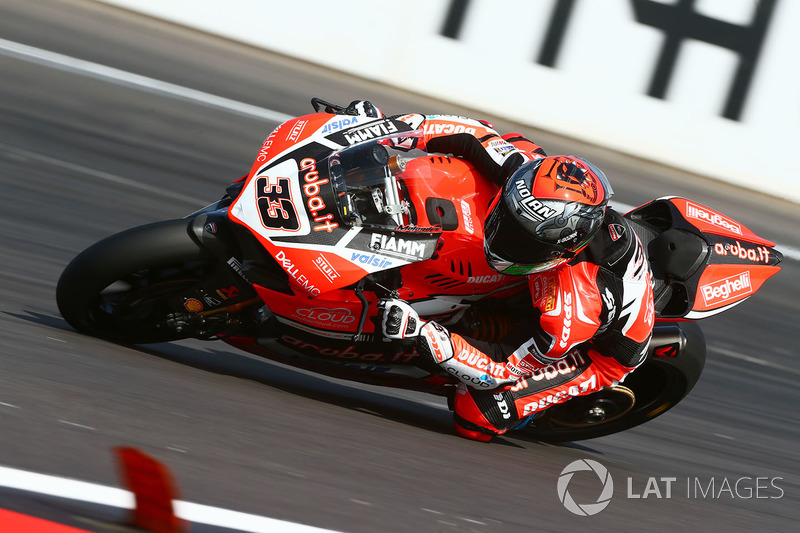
<point>713,87</point>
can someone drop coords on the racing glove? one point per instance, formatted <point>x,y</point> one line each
<point>363,108</point>
<point>436,344</point>
<point>398,319</point>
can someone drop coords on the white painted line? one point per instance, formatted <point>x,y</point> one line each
<point>75,424</point>
<point>128,79</point>
<point>102,495</point>
<point>176,449</point>
<point>471,521</point>
<point>750,359</point>
<point>65,488</point>
<point>215,516</point>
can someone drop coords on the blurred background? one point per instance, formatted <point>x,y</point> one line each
<point>689,83</point>
<point>116,114</point>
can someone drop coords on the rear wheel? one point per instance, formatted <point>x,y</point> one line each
<point>654,388</point>
<point>602,407</point>
<point>132,287</point>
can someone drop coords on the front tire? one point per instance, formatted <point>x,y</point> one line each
<point>118,288</point>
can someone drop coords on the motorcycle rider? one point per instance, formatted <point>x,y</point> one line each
<point>590,283</point>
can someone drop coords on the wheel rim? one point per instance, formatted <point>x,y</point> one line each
<point>141,303</point>
<point>598,408</point>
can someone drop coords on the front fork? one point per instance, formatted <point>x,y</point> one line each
<point>224,298</point>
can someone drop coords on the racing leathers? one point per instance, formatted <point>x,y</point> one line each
<point>590,326</point>
<point>591,319</point>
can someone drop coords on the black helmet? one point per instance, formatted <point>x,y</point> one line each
<point>546,213</point>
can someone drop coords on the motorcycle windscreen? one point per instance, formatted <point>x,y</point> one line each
<point>366,181</point>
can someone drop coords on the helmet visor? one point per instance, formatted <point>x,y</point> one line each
<point>513,250</point>
<point>515,269</point>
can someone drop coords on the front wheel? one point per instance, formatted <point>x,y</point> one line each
<point>131,287</point>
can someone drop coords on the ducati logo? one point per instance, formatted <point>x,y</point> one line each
<point>616,231</point>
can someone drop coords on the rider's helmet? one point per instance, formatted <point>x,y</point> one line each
<point>548,211</point>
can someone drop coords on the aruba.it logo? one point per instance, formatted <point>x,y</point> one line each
<point>585,509</point>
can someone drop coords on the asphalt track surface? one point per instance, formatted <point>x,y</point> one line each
<point>82,157</point>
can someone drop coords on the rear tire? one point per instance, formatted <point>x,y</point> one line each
<point>658,385</point>
<point>116,288</point>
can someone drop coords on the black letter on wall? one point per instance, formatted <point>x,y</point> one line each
<point>680,22</point>
<point>455,18</point>
<point>555,32</point>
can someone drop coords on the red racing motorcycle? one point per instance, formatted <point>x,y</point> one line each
<point>291,262</point>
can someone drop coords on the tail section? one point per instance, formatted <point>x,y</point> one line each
<point>703,262</point>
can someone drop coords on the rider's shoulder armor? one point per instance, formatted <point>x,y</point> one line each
<point>613,247</point>
<point>624,283</point>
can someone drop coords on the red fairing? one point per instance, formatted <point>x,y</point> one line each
<point>330,271</point>
<point>705,262</point>
<point>286,136</point>
<point>284,204</point>
<point>709,221</point>
<point>739,261</point>
<point>335,311</point>
<point>459,265</point>
<point>721,286</point>
<point>286,200</point>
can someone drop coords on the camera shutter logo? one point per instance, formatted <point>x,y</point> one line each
<point>585,509</point>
